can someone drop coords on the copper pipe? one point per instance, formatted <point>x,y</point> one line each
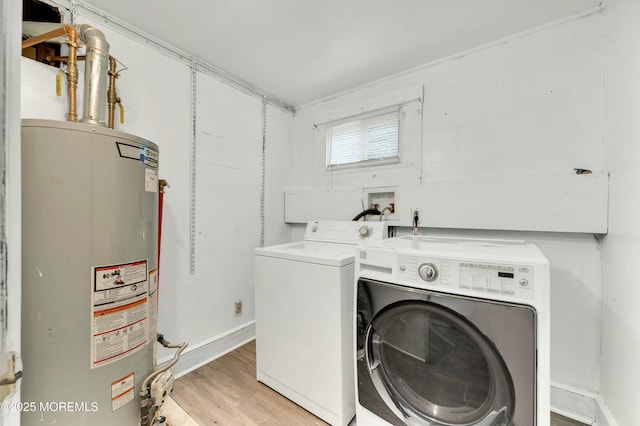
<point>46,36</point>
<point>62,58</point>
<point>72,72</point>
<point>112,97</point>
<point>72,75</point>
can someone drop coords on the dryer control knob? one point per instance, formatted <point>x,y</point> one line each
<point>364,231</point>
<point>428,272</point>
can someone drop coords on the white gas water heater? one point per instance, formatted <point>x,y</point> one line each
<point>90,247</point>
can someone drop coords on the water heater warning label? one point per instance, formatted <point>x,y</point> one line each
<point>122,391</point>
<point>119,311</point>
<point>151,180</point>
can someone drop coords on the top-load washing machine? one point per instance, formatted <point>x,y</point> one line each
<point>304,306</point>
<point>452,332</point>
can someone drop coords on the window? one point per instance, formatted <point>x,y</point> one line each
<point>371,140</point>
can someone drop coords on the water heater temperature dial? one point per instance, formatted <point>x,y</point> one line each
<point>428,272</point>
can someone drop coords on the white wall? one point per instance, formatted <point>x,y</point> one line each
<point>528,109</point>
<point>278,174</point>
<point>620,370</point>
<point>156,93</point>
<point>530,105</point>
<point>229,158</point>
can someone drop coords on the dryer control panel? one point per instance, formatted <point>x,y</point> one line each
<point>472,276</point>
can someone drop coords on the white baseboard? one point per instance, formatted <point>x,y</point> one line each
<point>581,405</point>
<point>201,354</point>
<point>575,403</point>
<point>603,415</point>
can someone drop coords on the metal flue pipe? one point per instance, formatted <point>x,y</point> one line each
<point>95,75</point>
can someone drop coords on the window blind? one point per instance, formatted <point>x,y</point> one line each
<point>362,141</point>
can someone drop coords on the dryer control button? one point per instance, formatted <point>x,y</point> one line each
<point>428,272</point>
<point>403,268</point>
<point>524,282</point>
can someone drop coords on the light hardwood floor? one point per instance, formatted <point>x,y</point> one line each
<point>225,392</point>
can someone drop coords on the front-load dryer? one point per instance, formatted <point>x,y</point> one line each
<point>452,332</point>
<point>304,303</point>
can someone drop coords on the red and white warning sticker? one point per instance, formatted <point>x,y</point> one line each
<point>118,276</point>
<point>122,391</point>
<point>119,311</point>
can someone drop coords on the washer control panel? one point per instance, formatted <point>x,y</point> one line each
<point>348,232</point>
<point>470,275</point>
<point>428,272</point>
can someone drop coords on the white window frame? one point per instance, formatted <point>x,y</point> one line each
<point>362,121</point>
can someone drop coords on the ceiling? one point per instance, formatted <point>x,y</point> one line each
<point>299,51</point>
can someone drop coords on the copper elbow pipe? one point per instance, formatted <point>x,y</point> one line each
<point>72,72</point>
<point>65,29</point>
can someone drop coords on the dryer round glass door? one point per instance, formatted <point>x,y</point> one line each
<point>431,366</point>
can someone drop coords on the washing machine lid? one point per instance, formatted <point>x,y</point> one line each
<point>329,254</point>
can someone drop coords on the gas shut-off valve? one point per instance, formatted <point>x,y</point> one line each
<point>162,386</point>
<point>157,386</point>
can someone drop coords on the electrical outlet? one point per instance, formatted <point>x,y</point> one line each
<point>238,308</point>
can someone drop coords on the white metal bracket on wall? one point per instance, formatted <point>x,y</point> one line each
<point>74,11</point>
<point>264,161</point>
<point>192,204</point>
